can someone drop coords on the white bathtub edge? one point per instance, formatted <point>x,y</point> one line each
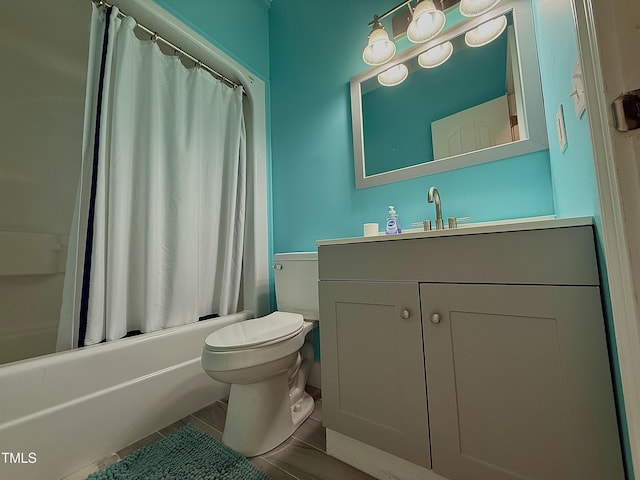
<point>68,427</point>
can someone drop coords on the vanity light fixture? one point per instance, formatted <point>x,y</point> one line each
<point>436,56</point>
<point>427,22</point>
<point>393,76</point>
<point>473,8</point>
<point>379,48</point>
<point>486,32</point>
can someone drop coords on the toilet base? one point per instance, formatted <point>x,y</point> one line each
<point>260,416</point>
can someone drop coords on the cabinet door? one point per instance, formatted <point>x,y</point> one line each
<point>373,379</point>
<point>519,383</point>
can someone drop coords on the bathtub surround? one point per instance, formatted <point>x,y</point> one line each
<point>41,136</point>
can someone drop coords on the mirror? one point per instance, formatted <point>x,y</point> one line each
<point>482,104</point>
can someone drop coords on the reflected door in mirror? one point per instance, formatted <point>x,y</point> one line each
<point>484,126</point>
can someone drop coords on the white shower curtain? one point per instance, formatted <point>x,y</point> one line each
<point>170,195</point>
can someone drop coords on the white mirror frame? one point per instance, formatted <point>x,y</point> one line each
<point>533,107</point>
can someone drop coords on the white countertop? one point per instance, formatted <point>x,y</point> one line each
<point>512,225</point>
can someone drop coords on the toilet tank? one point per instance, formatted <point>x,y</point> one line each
<point>296,277</point>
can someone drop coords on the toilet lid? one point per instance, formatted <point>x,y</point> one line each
<point>277,326</point>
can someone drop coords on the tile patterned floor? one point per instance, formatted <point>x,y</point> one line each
<point>301,457</point>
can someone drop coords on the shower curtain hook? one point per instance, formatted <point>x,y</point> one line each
<point>154,37</point>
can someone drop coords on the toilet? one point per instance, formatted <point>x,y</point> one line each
<point>267,361</point>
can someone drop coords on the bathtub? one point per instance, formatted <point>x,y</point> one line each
<point>61,412</point>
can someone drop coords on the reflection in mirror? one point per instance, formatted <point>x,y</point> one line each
<point>481,103</point>
<point>465,104</point>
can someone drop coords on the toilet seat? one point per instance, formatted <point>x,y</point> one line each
<point>273,328</point>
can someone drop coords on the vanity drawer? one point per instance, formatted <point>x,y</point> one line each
<point>554,256</point>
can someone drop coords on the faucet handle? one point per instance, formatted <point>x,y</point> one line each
<point>453,221</point>
<point>426,225</point>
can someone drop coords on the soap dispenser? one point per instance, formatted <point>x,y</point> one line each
<point>392,222</point>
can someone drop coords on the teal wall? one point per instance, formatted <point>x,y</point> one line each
<point>314,195</point>
<point>572,171</point>
<point>239,28</point>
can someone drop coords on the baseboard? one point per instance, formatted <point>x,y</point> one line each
<point>315,376</point>
<point>377,463</point>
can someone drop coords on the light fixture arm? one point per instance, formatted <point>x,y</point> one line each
<point>376,18</point>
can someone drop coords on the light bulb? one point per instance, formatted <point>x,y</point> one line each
<point>486,32</point>
<point>379,48</point>
<point>473,8</point>
<point>427,22</point>
<point>394,75</point>
<point>435,56</point>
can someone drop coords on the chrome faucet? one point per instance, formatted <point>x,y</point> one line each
<point>434,197</point>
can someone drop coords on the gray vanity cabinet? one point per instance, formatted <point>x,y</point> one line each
<point>518,383</point>
<point>371,335</point>
<point>508,329</point>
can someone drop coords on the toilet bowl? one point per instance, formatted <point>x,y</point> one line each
<point>267,362</point>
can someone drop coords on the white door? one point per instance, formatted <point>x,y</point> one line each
<point>475,128</point>
<point>609,39</point>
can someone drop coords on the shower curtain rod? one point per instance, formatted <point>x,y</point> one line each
<point>155,37</point>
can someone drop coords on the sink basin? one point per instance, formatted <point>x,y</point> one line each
<point>510,225</point>
<point>466,225</point>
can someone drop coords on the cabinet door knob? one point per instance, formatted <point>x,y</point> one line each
<point>435,318</point>
<point>404,313</point>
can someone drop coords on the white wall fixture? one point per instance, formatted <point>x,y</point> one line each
<point>577,89</point>
<point>560,130</point>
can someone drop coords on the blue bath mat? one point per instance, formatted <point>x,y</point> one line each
<point>188,454</point>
